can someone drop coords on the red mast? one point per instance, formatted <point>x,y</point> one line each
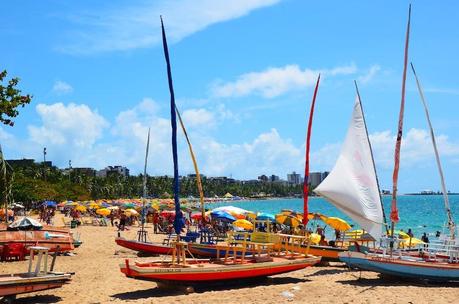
<point>306,169</point>
<point>394,211</point>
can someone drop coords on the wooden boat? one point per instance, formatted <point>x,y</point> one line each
<point>427,268</point>
<point>52,237</point>
<point>37,278</point>
<point>145,247</point>
<point>205,271</point>
<point>437,263</point>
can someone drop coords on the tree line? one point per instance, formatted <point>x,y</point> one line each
<point>29,185</point>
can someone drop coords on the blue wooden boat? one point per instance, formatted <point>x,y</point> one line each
<point>404,266</point>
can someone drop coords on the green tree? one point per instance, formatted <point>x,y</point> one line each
<point>10,99</point>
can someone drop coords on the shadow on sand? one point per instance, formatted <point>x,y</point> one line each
<point>326,272</point>
<point>386,280</point>
<point>38,299</point>
<point>203,287</point>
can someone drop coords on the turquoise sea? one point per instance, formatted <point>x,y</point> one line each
<point>421,213</point>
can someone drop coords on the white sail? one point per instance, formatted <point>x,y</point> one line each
<point>351,186</point>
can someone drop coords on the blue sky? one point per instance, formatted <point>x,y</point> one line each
<point>244,73</point>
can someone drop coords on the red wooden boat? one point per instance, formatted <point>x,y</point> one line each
<point>37,278</point>
<point>48,236</point>
<point>146,247</point>
<point>194,271</point>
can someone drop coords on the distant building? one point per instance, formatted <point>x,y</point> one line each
<point>84,171</point>
<point>263,178</point>
<point>294,178</point>
<point>324,175</point>
<point>25,162</point>
<point>123,171</point>
<point>274,178</point>
<point>315,178</point>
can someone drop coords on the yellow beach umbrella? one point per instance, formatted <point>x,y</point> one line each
<point>244,224</point>
<point>130,212</point>
<point>314,238</point>
<point>288,220</point>
<point>337,223</point>
<point>103,211</point>
<point>80,208</point>
<point>413,242</point>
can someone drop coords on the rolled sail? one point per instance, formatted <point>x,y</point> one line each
<point>351,186</point>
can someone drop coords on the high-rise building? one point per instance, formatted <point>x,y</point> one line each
<point>294,178</point>
<point>315,178</point>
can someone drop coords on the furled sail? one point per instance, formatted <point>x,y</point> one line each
<point>351,186</point>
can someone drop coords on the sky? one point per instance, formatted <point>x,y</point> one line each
<point>244,72</point>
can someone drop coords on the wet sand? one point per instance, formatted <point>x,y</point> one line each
<point>97,279</point>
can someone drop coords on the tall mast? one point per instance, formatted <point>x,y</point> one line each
<point>394,211</point>
<point>178,221</point>
<point>195,164</point>
<point>306,167</point>
<point>451,224</point>
<point>144,195</point>
<point>372,157</point>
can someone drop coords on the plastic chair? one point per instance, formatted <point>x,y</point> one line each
<point>13,251</point>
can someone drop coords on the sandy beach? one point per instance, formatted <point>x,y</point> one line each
<point>97,279</point>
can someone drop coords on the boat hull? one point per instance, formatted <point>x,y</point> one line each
<point>150,248</point>
<point>21,283</point>
<point>61,239</point>
<point>408,268</point>
<point>209,272</point>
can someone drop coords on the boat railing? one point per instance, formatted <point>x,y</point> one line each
<point>441,250</point>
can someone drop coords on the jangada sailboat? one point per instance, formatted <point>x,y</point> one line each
<point>179,269</point>
<point>433,263</point>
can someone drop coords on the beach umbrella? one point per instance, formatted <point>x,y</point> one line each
<point>10,212</point>
<point>103,211</point>
<point>316,216</point>
<point>337,223</point>
<point>129,205</point>
<point>265,217</point>
<point>223,216</point>
<point>167,213</point>
<point>105,205</point>
<point>314,238</point>
<point>81,208</point>
<point>288,220</point>
<point>413,242</point>
<point>244,224</point>
<point>25,223</point>
<point>113,208</point>
<point>70,203</point>
<point>130,212</point>
<point>50,204</point>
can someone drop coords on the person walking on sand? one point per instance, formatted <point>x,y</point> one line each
<point>155,222</point>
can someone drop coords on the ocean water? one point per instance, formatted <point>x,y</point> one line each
<point>421,213</point>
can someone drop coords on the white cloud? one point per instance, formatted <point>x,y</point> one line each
<point>137,26</point>
<point>268,152</point>
<point>198,117</point>
<point>61,87</point>
<point>74,126</point>
<point>416,148</point>
<point>276,81</point>
<point>371,73</point>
